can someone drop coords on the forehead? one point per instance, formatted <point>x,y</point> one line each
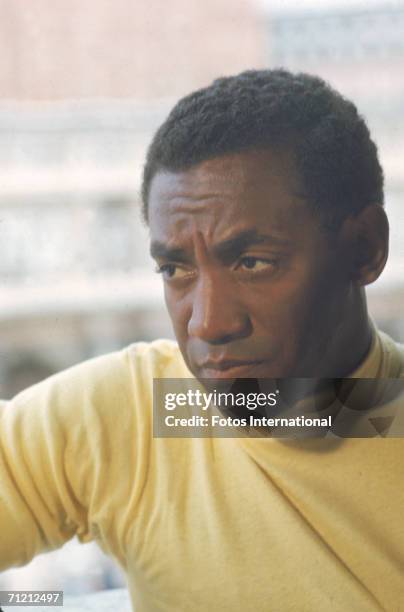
<point>233,192</point>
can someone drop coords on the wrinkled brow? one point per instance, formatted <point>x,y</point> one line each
<point>224,250</point>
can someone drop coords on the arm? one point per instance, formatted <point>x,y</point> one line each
<point>55,468</point>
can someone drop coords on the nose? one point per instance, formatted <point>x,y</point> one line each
<point>217,314</point>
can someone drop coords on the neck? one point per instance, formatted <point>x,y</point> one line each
<point>353,340</point>
<point>346,343</point>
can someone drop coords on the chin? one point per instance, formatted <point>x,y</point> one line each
<point>264,370</point>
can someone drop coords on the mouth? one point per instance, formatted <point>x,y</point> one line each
<point>229,369</point>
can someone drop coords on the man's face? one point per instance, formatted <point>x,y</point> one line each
<point>252,282</point>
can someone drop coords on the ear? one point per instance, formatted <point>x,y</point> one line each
<point>365,240</point>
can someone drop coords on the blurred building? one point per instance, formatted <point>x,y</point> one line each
<point>134,49</point>
<point>75,275</point>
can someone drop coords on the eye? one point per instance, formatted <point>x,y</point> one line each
<point>170,271</point>
<point>256,264</point>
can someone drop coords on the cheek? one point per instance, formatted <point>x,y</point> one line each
<point>313,305</point>
<point>177,310</point>
<point>289,311</point>
<point>281,304</point>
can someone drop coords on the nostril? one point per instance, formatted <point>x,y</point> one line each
<point>219,329</point>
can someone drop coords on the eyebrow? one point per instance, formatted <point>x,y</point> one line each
<point>237,244</point>
<point>225,250</point>
<point>160,250</point>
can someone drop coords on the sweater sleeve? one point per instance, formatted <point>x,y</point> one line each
<point>57,467</point>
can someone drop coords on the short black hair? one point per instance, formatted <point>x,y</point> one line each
<point>334,154</point>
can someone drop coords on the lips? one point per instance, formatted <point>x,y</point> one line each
<point>228,368</point>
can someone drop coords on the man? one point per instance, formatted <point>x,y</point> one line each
<point>264,198</point>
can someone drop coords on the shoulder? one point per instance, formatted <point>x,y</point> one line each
<point>158,359</point>
<point>97,388</point>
